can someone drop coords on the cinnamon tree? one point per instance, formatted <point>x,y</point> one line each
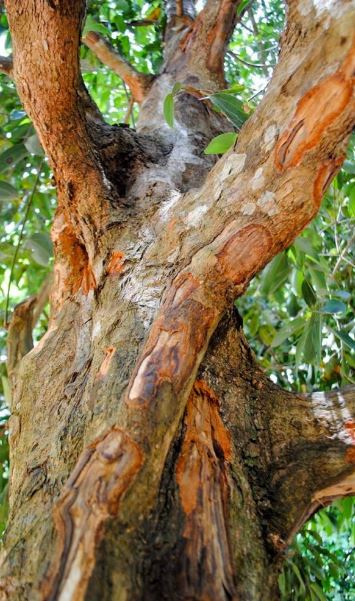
<point>135,481</point>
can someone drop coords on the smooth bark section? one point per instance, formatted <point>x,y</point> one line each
<point>138,83</point>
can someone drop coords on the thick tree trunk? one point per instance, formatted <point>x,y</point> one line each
<point>175,468</point>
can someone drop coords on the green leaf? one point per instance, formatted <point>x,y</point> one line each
<point>7,192</point>
<point>92,25</point>
<point>287,330</point>
<point>33,145</point>
<point>168,109</point>
<point>298,574</point>
<point>243,4</point>
<point>11,156</point>
<point>344,337</point>
<point>313,341</point>
<point>231,107</point>
<point>41,246</point>
<point>220,144</point>
<point>334,306</point>
<point>275,274</point>
<point>318,591</point>
<point>176,88</point>
<point>349,167</point>
<point>308,293</point>
<point>351,205</point>
<point>7,390</point>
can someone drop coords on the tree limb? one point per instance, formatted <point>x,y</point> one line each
<point>6,65</point>
<point>206,42</point>
<point>313,456</point>
<point>138,83</point>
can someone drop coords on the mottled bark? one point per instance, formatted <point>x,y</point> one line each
<point>141,416</point>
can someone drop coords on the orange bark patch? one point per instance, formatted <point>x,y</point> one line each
<point>324,176</point>
<point>71,255</point>
<point>320,106</point>
<point>245,253</point>
<point>115,264</point>
<point>89,280</point>
<point>206,441</point>
<point>102,474</point>
<point>203,481</point>
<point>110,351</point>
<point>350,455</point>
<point>350,428</point>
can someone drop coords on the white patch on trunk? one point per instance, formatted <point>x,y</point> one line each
<point>233,164</point>
<point>257,181</point>
<point>267,203</point>
<point>269,136</point>
<point>166,208</point>
<point>248,208</point>
<point>96,330</point>
<point>193,219</point>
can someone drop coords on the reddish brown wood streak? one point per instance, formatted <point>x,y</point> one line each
<point>175,340</point>
<point>324,176</point>
<point>115,264</point>
<point>110,351</point>
<point>103,473</point>
<point>315,112</point>
<point>202,478</point>
<point>89,280</point>
<point>244,253</point>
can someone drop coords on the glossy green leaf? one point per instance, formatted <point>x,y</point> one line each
<point>287,330</point>
<point>168,109</point>
<point>308,293</point>
<point>7,192</point>
<point>41,246</point>
<point>344,337</point>
<point>275,274</point>
<point>10,157</point>
<point>231,107</point>
<point>220,144</point>
<point>313,341</point>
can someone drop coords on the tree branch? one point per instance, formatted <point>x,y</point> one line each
<point>138,83</point>
<point>206,43</point>
<point>48,80</point>
<point>313,456</point>
<point>6,65</point>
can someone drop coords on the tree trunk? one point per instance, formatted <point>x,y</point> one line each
<point>150,456</point>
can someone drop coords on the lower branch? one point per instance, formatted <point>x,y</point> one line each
<point>313,457</point>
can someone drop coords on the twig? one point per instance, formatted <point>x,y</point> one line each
<point>14,259</point>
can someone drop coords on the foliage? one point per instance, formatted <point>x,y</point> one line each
<point>298,314</point>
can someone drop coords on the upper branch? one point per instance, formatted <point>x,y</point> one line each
<point>138,83</point>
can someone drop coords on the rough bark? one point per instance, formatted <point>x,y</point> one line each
<point>162,447</point>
